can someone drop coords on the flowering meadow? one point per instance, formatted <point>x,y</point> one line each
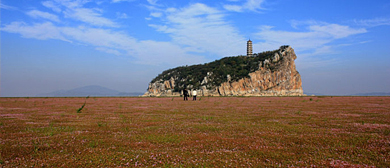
<point>314,131</point>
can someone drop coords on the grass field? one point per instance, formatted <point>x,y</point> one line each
<point>212,132</point>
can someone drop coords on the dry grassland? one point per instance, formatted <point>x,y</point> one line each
<point>212,132</point>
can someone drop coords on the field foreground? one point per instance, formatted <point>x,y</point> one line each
<point>212,132</point>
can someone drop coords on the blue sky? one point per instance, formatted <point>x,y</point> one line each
<point>49,45</point>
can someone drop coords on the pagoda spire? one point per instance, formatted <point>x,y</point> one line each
<point>249,49</point>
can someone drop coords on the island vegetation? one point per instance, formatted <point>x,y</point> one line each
<point>237,67</point>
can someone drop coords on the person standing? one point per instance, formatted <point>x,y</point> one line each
<point>185,93</point>
<point>194,95</point>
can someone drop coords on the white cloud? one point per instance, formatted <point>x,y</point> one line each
<point>296,24</point>
<point>208,33</point>
<point>315,35</point>
<point>75,9</point>
<point>336,31</point>
<point>373,22</point>
<point>90,16</point>
<point>253,5</point>
<point>52,5</point>
<point>249,5</point>
<point>200,28</point>
<point>323,50</point>
<point>42,31</point>
<point>71,3</point>
<point>234,8</point>
<point>171,10</point>
<point>108,50</point>
<point>2,6</point>
<point>121,15</point>
<point>157,53</point>
<point>313,41</point>
<point>156,14</point>
<point>45,15</point>
<point>196,28</point>
<point>113,42</point>
<point>116,1</point>
<point>152,2</point>
<point>118,43</point>
<point>100,37</point>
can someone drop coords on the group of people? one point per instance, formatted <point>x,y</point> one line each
<point>186,95</point>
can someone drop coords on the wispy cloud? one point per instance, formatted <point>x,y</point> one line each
<point>249,5</point>
<point>200,28</point>
<point>152,2</point>
<point>373,22</point>
<point>121,15</point>
<point>315,35</point>
<point>156,14</point>
<point>50,4</point>
<point>234,8</point>
<point>42,31</point>
<point>2,6</point>
<point>45,15</point>
<point>313,41</point>
<point>75,9</point>
<point>100,37</point>
<point>116,1</point>
<point>90,16</point>
<point>158,52</point>
<point>254,5</point>
<point>196,31</point>
<point>106,40</point>
<point>108,50</point>
<point>335,31</point>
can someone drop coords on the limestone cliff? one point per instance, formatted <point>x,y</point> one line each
<point>271,73</point>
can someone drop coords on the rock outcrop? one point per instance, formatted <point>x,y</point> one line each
<point>274,76</point>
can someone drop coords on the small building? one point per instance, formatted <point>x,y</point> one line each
<point>249,51</point>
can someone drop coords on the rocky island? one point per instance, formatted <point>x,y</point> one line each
<point>270,73</point>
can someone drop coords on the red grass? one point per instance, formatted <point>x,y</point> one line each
<point>212,132</point>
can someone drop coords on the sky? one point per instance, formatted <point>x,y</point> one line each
<point>342,47</point>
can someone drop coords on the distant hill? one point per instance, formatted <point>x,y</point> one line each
<point>92,90</point>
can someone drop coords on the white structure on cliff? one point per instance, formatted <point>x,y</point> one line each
<point>249,50</point>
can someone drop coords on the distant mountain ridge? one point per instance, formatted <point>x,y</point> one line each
<point>91,90</point>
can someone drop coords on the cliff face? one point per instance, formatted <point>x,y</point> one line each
<point>274,76</point>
